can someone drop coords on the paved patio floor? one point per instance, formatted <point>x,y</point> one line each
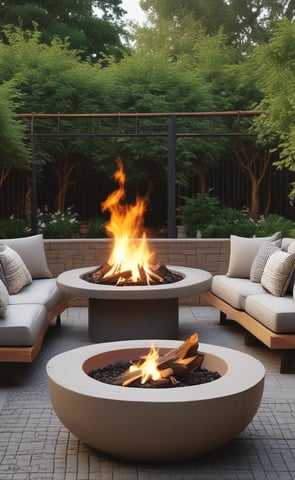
<point>35,446</point>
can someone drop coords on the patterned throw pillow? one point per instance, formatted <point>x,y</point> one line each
<point>13,272</point>
<point>257,267</point>
<point>277,273</point>
<point>4,298</point>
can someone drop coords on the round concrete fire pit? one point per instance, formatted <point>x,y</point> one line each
<point>133,312</point>
<point>154,424</point>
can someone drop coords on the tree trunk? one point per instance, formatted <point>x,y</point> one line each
<point>202,180</point>
<point>254,208</point>
<point>254,161</point>
<point>4,172</point>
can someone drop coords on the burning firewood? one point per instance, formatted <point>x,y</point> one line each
<point>166,367</point>
<point>159,274</point>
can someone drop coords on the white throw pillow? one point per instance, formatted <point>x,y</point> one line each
<point>4,299</point>
<point>13,271</point>
<point>242,253</point>
<point>31,250</point>
<point>277,273</point>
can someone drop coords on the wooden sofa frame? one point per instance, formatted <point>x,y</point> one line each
<point>28,354</point>
<point>254,330</point>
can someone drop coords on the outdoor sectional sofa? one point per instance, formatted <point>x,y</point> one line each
<point>29,298</point>
<point>258,293</point>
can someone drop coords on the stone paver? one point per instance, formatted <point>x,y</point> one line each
<point>34,445</point>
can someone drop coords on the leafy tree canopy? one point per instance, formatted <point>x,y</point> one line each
<point>76,21</point>
<point>151,84</point>
<point>14,151</point>
<point>243,22</point>
<point>275,70</point>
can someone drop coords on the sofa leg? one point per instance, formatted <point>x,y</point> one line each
<point>287,361</point>
<point>222,318</point>
<point>250,340</point>
<point>58,321</point>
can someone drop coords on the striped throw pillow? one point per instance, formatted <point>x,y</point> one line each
<point>13,272</point>
<point>277,273</point>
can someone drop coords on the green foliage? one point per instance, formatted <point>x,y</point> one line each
<point>68,19</point>
<point>274,223</point>
<point>14,151</point>
<point>58,224</point>
<point>197,212</point>
<point>275,70</point>
<point>96,227</point>
<point>13,228</point>
<point>245,23</point>
<point>151,84</point>
<point>229,221</point>
<point>204,213</point>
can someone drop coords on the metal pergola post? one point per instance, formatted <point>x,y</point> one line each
<point>34,209</point>
<point>171,178</point>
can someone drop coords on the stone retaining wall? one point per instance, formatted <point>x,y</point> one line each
<point>206,254</point>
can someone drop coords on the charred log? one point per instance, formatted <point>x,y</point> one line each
<point>178,367</point>
<point>159,274</point>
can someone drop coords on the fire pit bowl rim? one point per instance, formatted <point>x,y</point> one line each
<point>194,280</point>
<point>241,373</point>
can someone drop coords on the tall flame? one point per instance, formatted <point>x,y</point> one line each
<point>126,225</point>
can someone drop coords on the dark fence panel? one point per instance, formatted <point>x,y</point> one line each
<point>226,181</point>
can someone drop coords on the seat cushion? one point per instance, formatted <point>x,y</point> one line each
<point>21,325</point>
<point>276,313</point>
<point>43,291</point>
<point>234,290</point>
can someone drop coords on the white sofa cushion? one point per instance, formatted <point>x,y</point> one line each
<point>13,271</point>
<point>242,253</point>
<point>4,298</point>
<point>43,291</point>
<point>276,313</point>
<point>234,290</point>
<point>31,250</point>
<point>21,325</point>
<point>278,272</point>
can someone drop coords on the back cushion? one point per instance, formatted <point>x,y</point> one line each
<point>243,250</point>
<point>31,250</point>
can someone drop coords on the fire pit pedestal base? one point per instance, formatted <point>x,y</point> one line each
<point>154,424</point>
<point>132,319</point>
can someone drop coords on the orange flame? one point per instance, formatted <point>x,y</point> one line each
<point>125,225</point>
<point>149,368</point>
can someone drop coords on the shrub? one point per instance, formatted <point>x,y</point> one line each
<point>230,221</point>
<point>58,224</point>
<point>274,223</point>
<point>197,212</point>
<point>13,228</point>
<point>96,227</point>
